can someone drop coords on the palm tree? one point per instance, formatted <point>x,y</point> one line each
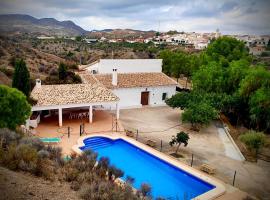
<point>180,138</point>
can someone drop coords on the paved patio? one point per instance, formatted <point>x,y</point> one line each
<point>48,127</point>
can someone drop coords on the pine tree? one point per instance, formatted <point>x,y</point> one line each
<point>21,77</point>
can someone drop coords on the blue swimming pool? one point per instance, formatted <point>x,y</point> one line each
<point>166,180</point>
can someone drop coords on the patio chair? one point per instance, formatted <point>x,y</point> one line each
<point>80,115</point>
<point>84,114</point>
<point>70,116</point>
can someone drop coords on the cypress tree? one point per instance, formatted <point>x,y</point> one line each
<point>62,71</point>
<point>21,77</point>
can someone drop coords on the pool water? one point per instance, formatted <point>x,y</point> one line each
<point>166,180</point>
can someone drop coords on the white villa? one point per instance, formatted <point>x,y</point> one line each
<point>107,85</point>
<point>137,82</point>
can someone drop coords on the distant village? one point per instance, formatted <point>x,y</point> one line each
<point>198,41</point>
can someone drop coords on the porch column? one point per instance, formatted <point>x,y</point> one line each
<point>91,114</point>
<point>60,117</point>
<point>117,111</point>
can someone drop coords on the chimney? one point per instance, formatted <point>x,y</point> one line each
<point>38,83</point>
<point>114,77</point>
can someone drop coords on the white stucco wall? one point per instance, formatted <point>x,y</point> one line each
<point>127,65</point>
<point>131,97</point>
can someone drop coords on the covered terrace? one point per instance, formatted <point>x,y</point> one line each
<point>60,110</point>
<point>77,101</point>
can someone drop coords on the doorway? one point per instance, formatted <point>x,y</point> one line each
<point>144,98</point>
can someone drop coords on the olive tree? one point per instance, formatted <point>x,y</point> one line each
<point>180,138</point>
<point>198,114</point>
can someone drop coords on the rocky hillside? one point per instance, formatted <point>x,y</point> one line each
<point>43,56</point>
<point>18,185</point>
<point>45,26</point>
<point>121,33</point>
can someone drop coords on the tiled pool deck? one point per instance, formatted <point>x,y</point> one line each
<point>102,122</point>
<point>212,194</point>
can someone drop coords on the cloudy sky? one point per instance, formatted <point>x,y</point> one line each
<point>238,16</point>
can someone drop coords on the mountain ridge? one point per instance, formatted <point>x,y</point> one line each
<point>47,26</point>
<point>23,23</point>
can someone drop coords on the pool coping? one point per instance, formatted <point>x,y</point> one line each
<point>212,194</point>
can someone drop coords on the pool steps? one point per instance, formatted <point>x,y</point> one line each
<point>95,143</point>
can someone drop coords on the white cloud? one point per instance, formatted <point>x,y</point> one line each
<point>98,23</point>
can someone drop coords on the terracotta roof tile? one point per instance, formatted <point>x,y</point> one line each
<point>48,95</point>
<point>88,78</point>
<point>129,80</point>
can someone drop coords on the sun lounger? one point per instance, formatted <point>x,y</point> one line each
<point>208,169</point>
<point>51,140</point>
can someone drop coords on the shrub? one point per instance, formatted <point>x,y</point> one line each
<point>102,168</point>
<point>43,154</point>
<point>130,180</point>
<point>75,185</point>
<point>7,71</point>
<point>55,152</point>
<point>114,172</point>
<point>22,157</point>
<point>53,72</point>
<point>45,168</point>
<point>88,177</point>
<point>145,190</point>
<point>7,137</point>
<point>12,60</point>
<point>253,140</point>
<point>27,153</point>
<point>70,173</point>
<point>27,166</point>
<point>73,66</point>
<point>41,68</point>
<point>103,163</point>
<point>76,78</point>
<point>9,159</point>
<point>34,142</point>
<point>85,161</point>
<point>97,191</point>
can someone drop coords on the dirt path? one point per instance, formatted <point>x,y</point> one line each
<point>17,185</point>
